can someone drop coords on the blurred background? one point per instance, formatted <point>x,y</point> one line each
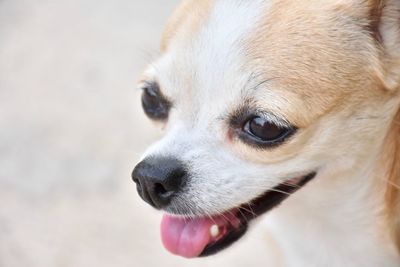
<point>71,130</point>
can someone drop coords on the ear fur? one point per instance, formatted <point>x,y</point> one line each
<point>384,17</point>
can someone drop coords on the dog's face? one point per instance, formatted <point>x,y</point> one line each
<point>257,98</point>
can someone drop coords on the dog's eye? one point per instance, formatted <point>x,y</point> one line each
<point>263,132</point>
<point>154,104</point>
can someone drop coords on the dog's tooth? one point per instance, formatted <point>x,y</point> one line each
<point>214,230</point>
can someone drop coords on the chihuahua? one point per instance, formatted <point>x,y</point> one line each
<point>284,109</point>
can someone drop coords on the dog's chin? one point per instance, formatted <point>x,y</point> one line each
<point>207,235</point>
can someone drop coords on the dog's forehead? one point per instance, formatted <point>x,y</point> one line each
<point>203,52</point>
<point>307,56</point>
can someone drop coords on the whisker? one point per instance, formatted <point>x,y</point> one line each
<point>249,210</point>
<point>292,185</point>
<point>391,183</point>
<point>241,213</point>
<point>252,211</point>
<point>280,191</point>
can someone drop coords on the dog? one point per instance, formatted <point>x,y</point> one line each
<point>285,110</point>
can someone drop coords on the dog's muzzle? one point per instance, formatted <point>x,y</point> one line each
<point>160,179</point>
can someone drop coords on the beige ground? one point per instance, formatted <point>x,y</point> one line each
<point>71,130</point>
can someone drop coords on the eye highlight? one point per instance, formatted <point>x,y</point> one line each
<point>154,104</point>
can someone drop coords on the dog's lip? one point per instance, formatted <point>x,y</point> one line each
<point>260,205</point>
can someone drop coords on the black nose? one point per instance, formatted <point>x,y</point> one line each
<point>159,179</point>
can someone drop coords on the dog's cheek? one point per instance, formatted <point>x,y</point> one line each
<point>220,184</point>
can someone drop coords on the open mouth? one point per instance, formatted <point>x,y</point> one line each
<point>204,236</point>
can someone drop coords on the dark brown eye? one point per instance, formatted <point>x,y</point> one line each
<point>154,104</point>
<point>264,132</point>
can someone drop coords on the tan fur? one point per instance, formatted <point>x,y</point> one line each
<point>294,72</point>
<point>376,8</point>
<point>188,16</point>
<point>391,160</point>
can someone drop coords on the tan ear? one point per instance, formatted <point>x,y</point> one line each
<point>385,27</point>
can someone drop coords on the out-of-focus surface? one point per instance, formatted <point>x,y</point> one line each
<point>71,130</point>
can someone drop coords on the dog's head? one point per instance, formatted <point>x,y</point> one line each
<point>258,98</point>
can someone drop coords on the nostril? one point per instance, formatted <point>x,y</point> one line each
<point>160,190</point>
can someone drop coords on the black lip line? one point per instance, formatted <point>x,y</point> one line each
<point>273,198</point>
<point>269,200</point>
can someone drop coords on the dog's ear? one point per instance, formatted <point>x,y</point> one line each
<point>384,25</point>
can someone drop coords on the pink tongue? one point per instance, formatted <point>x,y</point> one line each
<point>185,237</point>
